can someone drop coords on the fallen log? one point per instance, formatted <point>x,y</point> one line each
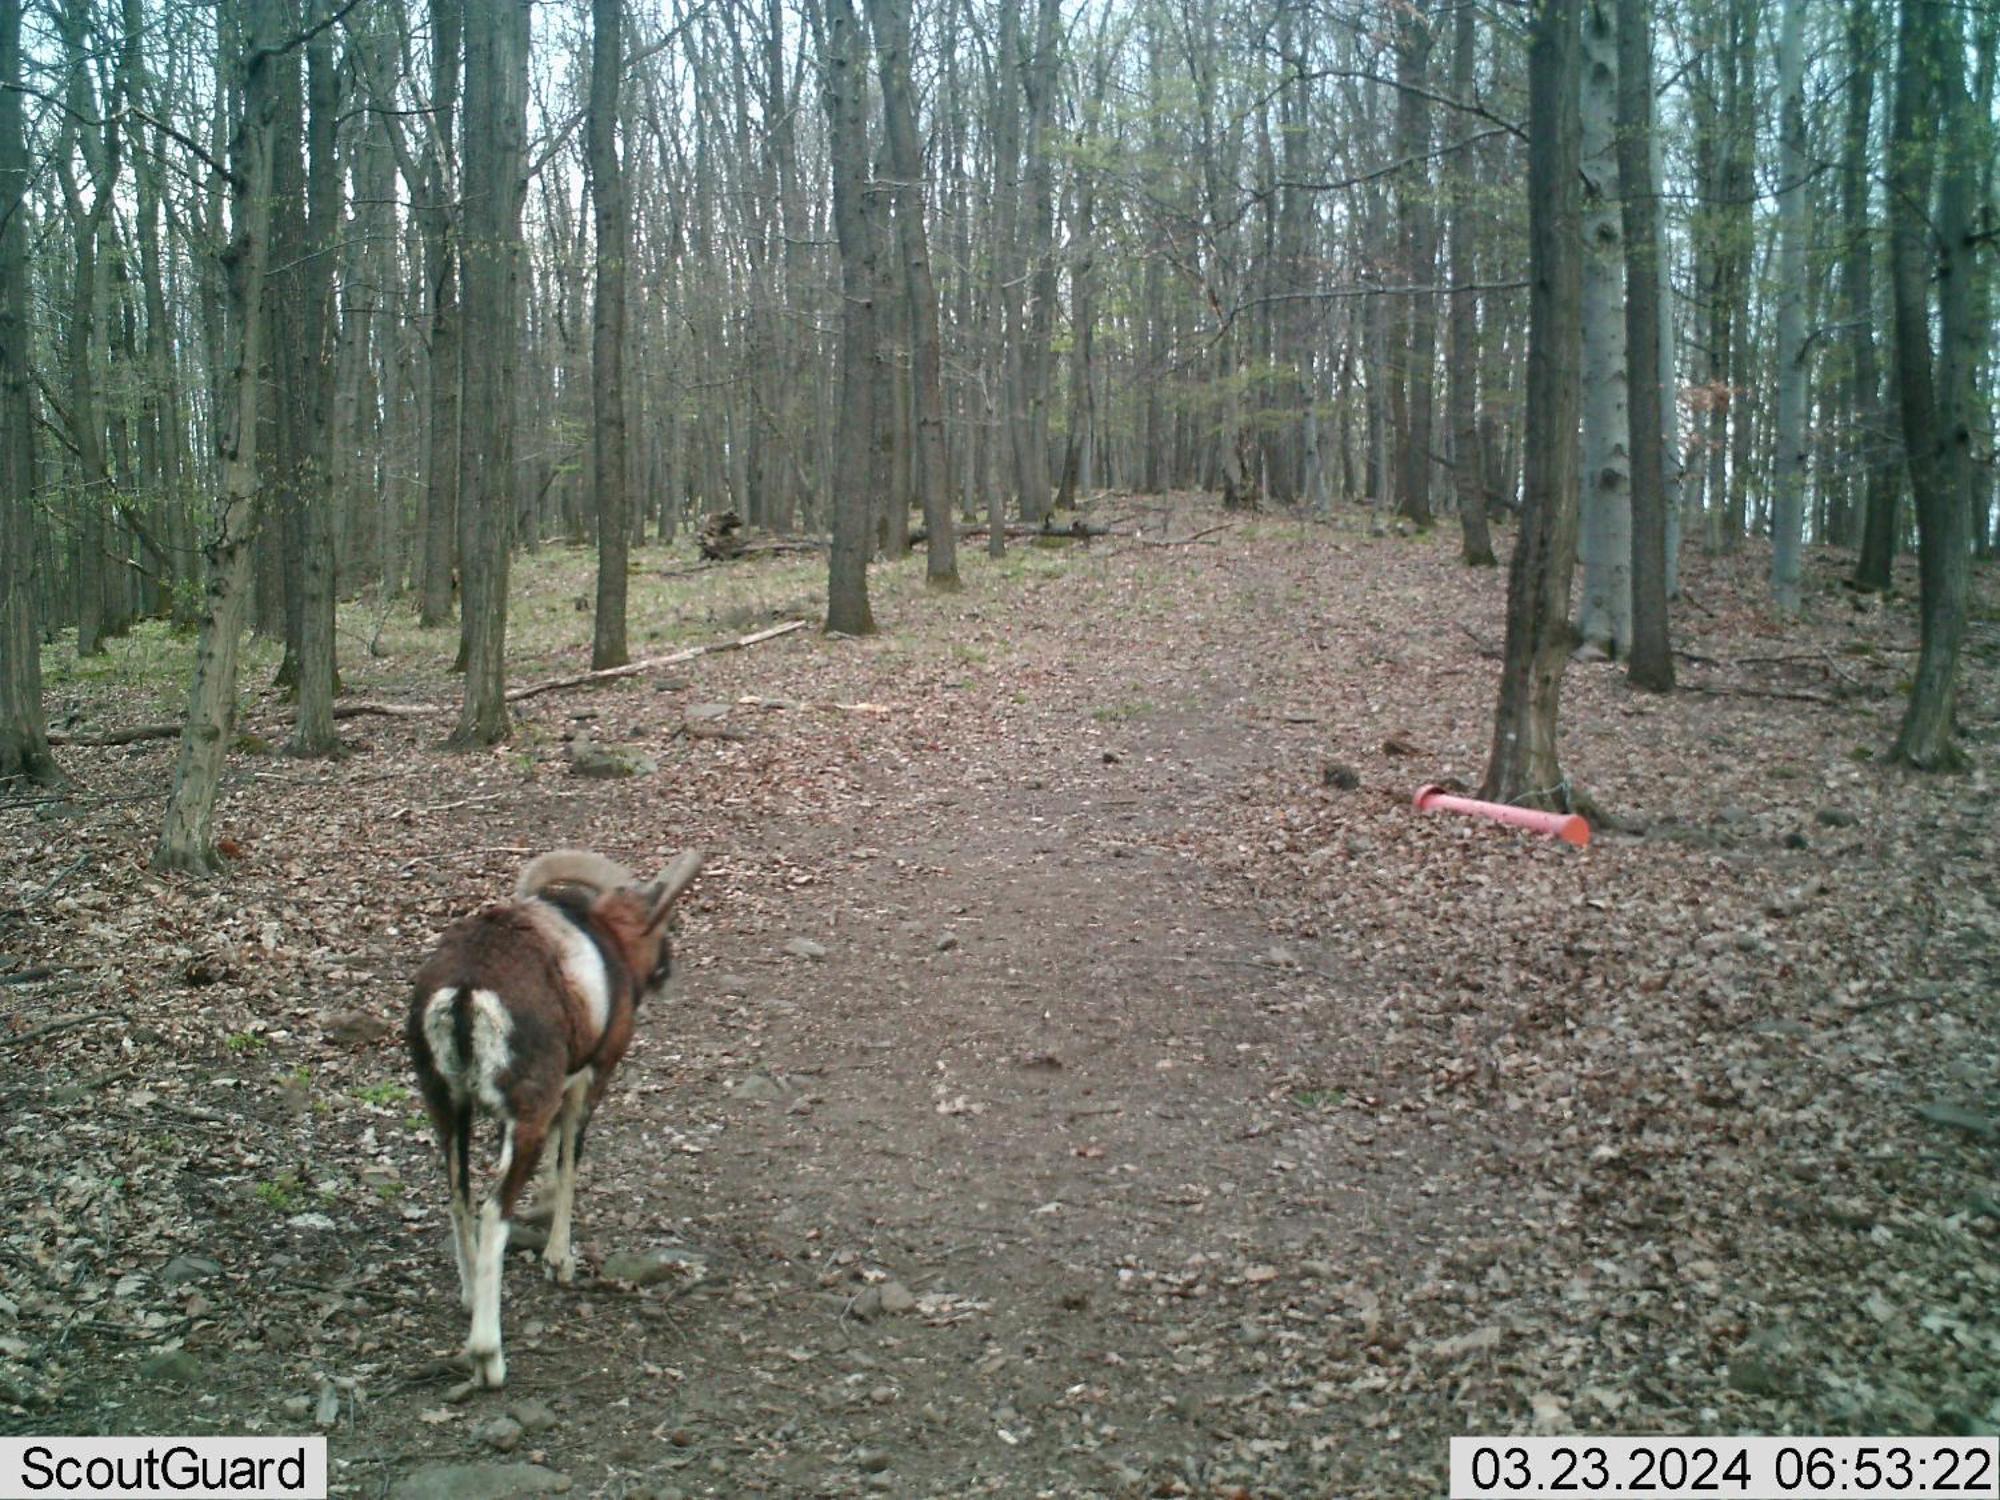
<point>1076,531</point>
<point>132,736</point>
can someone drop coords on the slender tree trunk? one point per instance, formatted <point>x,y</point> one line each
<point>890,20</point>
<point>846,90</point>
<point>1789,486</point>
<point>1871,444</point>
<point>187,835</point>
<point>310,482</point>
<point>1650,664</point>
<point>607,333</point>
<point>496,88</point>
<point>1934,137</point>
<point>1476,543</point>
<point>1524,766</point>
<point>437,214</point>
<point>1604,616</point>
<point>24,740</point>
<point>1413,49</point>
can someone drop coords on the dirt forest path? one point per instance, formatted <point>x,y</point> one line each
<point>1086,1077</point>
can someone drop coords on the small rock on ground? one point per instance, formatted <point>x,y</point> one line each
<point>478,1482</point>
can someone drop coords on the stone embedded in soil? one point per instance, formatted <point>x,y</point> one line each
<point>502,1433</point>
<point>357,1028</point>
<point>534,1416</point>
<point>588,758</point>
<point>645,1267</point>
<point>757,1086</point>
<point>478,1482</point>
<point>1754,1375</point>
<point>175,1366</point>
<point>184,1268</point>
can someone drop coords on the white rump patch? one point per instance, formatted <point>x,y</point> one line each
<point>582,965</point>
<point>438,1033</point>
<point>491,1027</point>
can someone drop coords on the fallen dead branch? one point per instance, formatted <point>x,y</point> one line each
<point>1182,541</point>
<point>132,736</point>
<point>59,1024</point>
<point>653,663</point>
<point>1081,531</point>
<point>385,710</point>
<point>1718,691</point>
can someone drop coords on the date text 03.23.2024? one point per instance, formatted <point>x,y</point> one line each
<point>1725,1468</point>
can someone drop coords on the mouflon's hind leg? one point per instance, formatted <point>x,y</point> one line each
<point>560,1256</point>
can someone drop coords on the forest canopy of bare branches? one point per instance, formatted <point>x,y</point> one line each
<point>521,268</point>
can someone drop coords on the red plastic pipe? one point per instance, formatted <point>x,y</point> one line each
<point>1568,827</point>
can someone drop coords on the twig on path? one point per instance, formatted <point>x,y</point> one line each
<point>59,1024</point>
<point>1182,541</point>
<point>447,806</point>
<point>1875,1005</point>
<point>58,878</point>
<point>1491,653</point>
<point>1716,691</point>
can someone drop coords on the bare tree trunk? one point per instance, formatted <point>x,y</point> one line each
<point>846,91</point>
<point>1650,664</point>
<point>1934,138</point>
<point>1413,50</point>
<point>496,88</point>
<point>1476,542</point>
<point>310,487</point>
<point>1032,452</point>
<point>187,837</point>
<point>607,333</point>
<point>1524,766</point>
<point>89,132</point>
<point>891,22</point>
<point>437,214</point>
<point>24,739</point>
<point>1871,443</point>
<point>1788,489</point>
<point>1604,615</point>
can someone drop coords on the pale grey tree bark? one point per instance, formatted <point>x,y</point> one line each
<point>1462,334</point>
<point>1932,140</point>
<point>309,399</point>
<point>1525,766</point>
<point>1871,445</point>
<point>1604,616</point>
<point>496,89</point>
<point>845,84</point>
<point>1789,481</point>
<point>24,739</point>
<point>187,834</point>
<point>1419,215</point>
<point>890,20</point>
<point>607,333</point>
<point>438,214</point>
<point>1650,664</point>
